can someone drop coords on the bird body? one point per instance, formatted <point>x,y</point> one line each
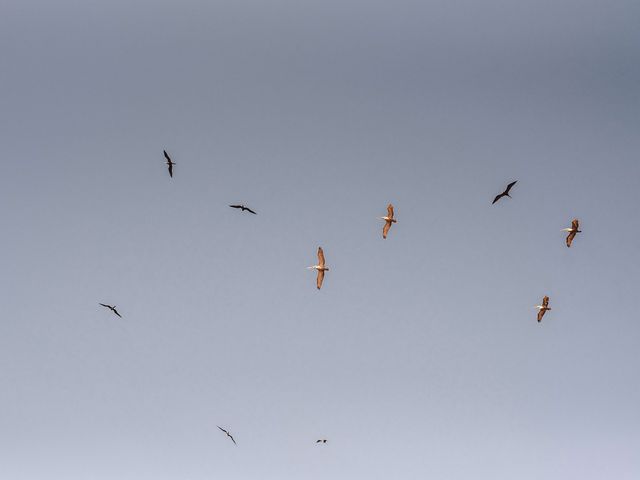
<point>169,163</point>
<point>243,208</point>
<point>542,309</point>
<point>389,220</point>
<point>505,193</point>
<point>320,267</point>
<point>573,230</point>
<point>112,308</point>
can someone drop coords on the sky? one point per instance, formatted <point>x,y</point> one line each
<point>421,356</point>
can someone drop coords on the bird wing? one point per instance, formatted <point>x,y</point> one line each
<point>232,439</point>
<point>575,224</point>
<point>249,210</point>
<point>166,155</point>
<point>171,170</point>
<point>320,279</point>
<point>318,441</point>
<point>320,257</point>
<point>222,429</point>
<point>509,186</point>
<point>545,301</point>
<point>570,237</point>
<point>390,211</point>
<point>104,305</point>
<point>235,206</point>
<point>541,314</point>
<point>116,312</point>
<point>386,228</point>
<point>498,197</point>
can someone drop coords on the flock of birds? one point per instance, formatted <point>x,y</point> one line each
<point>389,220</point>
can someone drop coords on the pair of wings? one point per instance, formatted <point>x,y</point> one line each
<point>387,225</point>
<point>320,276</point>
<point>574,229</point>
<point>506,192</point>
<point>228,434</point>
<point>169,163</point>
<point>542,311</point>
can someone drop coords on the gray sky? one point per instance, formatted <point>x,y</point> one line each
<point>420,357</point>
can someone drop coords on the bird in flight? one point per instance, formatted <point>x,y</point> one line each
<point>322,440</point>
<point>320,267</point>
<point>228,434</point>
<point>169,163</point>
<point>243,208</point>
<point>388,221</point>
<point>543,308</point>
<point>113,309</point>
<point>505,193</point>
<point>575,225</point>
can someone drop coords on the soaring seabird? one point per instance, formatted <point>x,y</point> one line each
<point>322,440</point>
<point>320,268</point>
<point>169,163</point>
<point>543,308</point>
<point>113,309</point>
<point>505,193</point>
<point>575,224</point>
<point>388,221</point>
<point>228,434</point>
<point>243,208</point>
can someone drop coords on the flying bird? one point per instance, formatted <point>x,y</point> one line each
<point>543,308</point>
<point>228,434</point>
<point>243,208</point>
<point>575,225</point>
<point>388,221</point>
<point>113,309</point>
<point>323,440</point>
<point>320,268</point>
<point>505,193</point>
<point>169,163</point>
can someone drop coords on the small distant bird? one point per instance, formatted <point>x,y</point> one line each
<point>575,225</point>
<point>113,309</point>
<point>320,268</point>
<point>323,440</point>
<point>169,163</point>
<point>243,208</point>
<point>388,221</point>
<point>228,434</point>
<point>543,308</point>
<point>505,193</point>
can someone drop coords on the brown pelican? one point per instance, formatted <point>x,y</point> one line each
<point>575,224</point>
<point>388,221</point>
<point>113,309</point>
<point>505,193</point>
<point>169,163</point>
<point>320,268</point>
<point>543,308</point>
<point>243,208</point>
<point>228,434</point>
<point>323,440</point>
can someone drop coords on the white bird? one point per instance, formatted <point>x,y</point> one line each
<point>575,225</point>
<point>388,221</point>
<point>542,309</point>
<point>320,267</point>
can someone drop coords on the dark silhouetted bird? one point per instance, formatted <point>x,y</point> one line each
<point>243,208</point>
<point>505,193</point>
<point>228,434</point>
<point>169,163</point>
<point>113,309</point>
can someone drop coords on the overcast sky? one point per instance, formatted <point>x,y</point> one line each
<point>421,356</point>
